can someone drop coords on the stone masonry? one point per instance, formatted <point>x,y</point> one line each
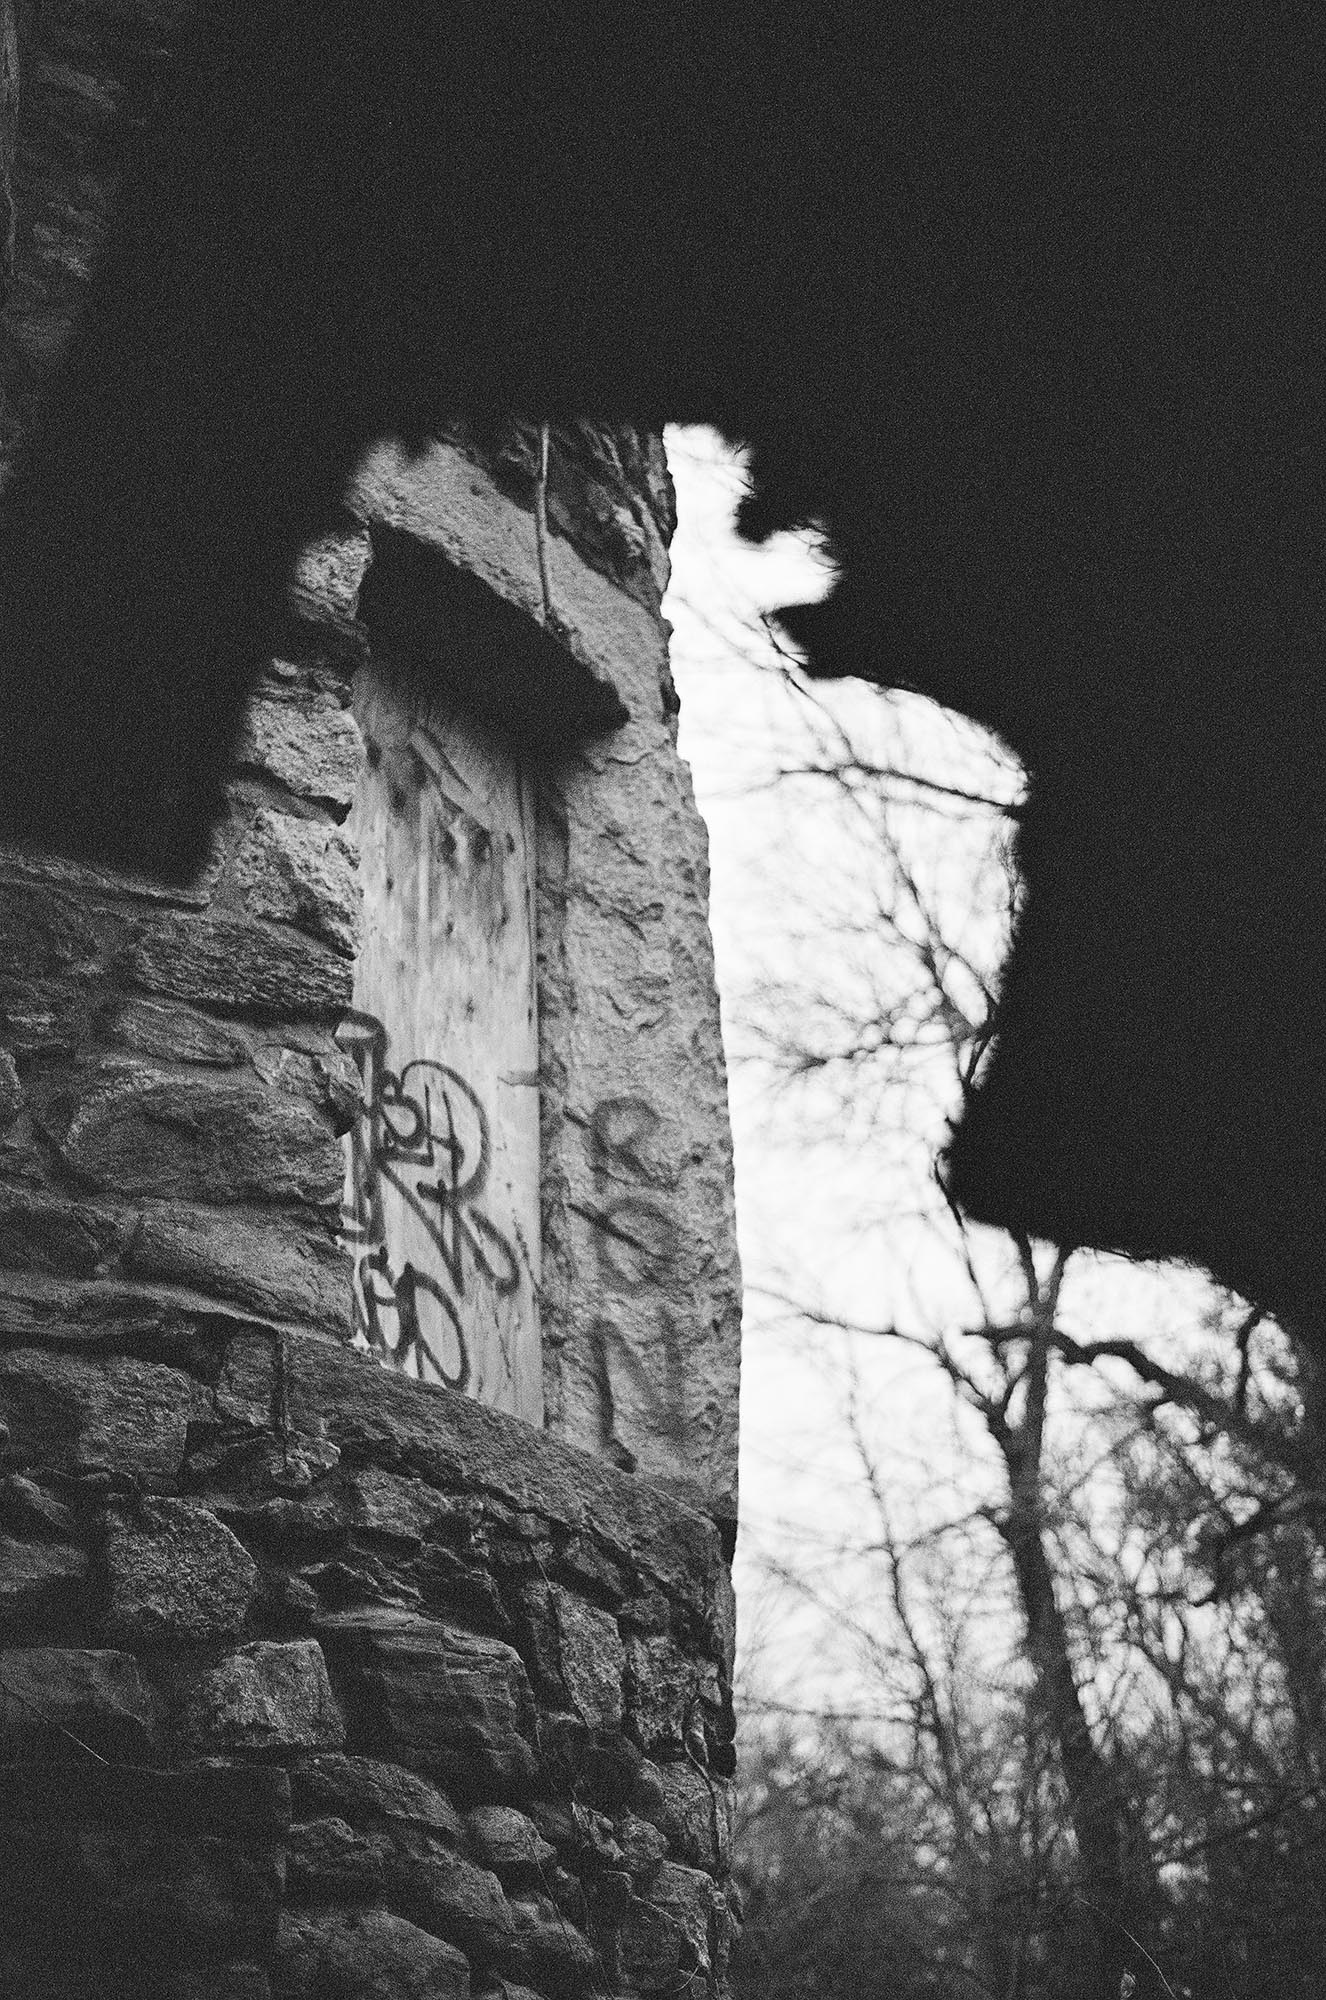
<point>314,1677</point>
<point>317,1677</point>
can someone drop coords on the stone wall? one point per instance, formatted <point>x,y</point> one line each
<point>315,1679</point>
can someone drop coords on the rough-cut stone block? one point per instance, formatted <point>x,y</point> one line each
<point>510,1844</point>
<point>271,1696</point>
<point>437,1698</point>
<point>455,1900</point>
<point>246,1387</point>
<point>654,1953</point>
<point>301,872</point>
<point>29,1510</point>
<point>40,1309</point>
<point>662,1690</point>
<point>694,1810</point>
<point>63,1411</point>
<point>239,965</point>
<point>689,1897</point>
<point>40,1232</point>
<point>176,1573</point>
<point>328,1861</point>
<point>643,1846</point>
<point>549,1953</point>
<point>367,1955</point>
<point>40,1583</point>
<point>309,744</point>
<point>170,1033</point>
<point>466,1592</point>
<point>47,933</point>
<point>369,1793</point>
<point>599,1767</point>
<point>612,1890</point>
<point>458,1445</point>
<point>56,1699</point>
<point>535,1631</point>
<point>590,1559</point>
<point>201,1138</point>
<point>276,1268</point>
<point>592,1659</point>
<point>381,1503</point>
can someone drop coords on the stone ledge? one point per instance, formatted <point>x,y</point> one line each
<point>449,1441</point>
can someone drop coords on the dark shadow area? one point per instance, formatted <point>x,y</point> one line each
<point>1023,312</point>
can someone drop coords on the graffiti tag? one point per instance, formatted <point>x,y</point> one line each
<point>423,1133</point>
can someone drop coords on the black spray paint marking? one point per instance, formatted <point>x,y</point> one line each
<point>426,1117</point>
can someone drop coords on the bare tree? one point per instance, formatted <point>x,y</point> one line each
<point>1082,1782</point>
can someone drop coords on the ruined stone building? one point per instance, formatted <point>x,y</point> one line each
<point>368,1291</point>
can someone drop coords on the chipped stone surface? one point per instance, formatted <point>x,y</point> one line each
<point>11,1091</point>
<point>60,1410</point>
<point>592,1659</point>
<point>453,1899</point>
<point>655,1953</point>
<point>689,1897</point>
<point>239,966</point>
<point>370,1792</point>
<point>370,1953</point>
<point>549,1952</point>
<point>176,1573</point>
<point>663,1689</point>
<point>509,1843</point>
<point>453,1441</point>
<point>380,1503</point>
<point>268,1696</point>
<point>301,872</point>
<point>273,1267</point>
<point>441,1700</point>
<point>328,1860</point>
<point>172,1033</point>
<point>202,1139</point>
<point>307,741</point>
<point>28,1507</point>
<point>693,1809</point>
<point>42,1232</point>
<point>642,1845</point>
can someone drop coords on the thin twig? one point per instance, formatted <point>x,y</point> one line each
<point>541,525</point>
<point>1136,1943</point>
<point>25,1701</point>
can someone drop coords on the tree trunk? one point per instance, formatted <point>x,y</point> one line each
<point>1103,1824</point>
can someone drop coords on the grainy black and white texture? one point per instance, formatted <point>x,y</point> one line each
<point>1021,309</point>
<point>315,1680</point>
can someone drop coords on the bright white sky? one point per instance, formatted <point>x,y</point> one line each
<point>808,1207</point>
<point>825,1189</point>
